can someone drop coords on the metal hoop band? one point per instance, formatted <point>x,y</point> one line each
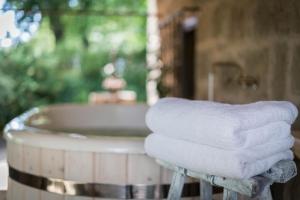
<point>100,190</point>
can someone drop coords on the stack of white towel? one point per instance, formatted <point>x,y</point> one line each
<point>235,141</point>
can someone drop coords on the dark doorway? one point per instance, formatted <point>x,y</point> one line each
<point>187,71</point>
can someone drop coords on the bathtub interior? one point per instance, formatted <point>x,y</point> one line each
<point>96,120</point>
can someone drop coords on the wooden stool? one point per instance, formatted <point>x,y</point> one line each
<point>255,187</point>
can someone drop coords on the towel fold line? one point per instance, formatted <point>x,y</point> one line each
<point>210,160</point>
<point>221,125</point>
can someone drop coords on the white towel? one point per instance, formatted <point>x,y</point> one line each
<point>227,163</point>
<point>266,134</point>
<point>220,125</point>
<point>244,139</point>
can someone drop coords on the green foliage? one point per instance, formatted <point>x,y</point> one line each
<point>65,67</point>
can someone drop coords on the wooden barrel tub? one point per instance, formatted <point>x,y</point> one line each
<point>72,152</point>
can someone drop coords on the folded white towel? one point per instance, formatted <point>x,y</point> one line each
<point>241,140</point>
<point>266,134</point>
<point>227,163</point>
<point>221,125</point>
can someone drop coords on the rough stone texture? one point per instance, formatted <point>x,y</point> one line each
<point>201,75</point>
<point>220,19</point>
<point>277,17</point>
<point>278,66</point>
<point>295,72</point>
<point>262,37</point>
<point>256,65</point>
<point>240,25</point>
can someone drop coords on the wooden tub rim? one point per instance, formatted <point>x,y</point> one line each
<point>17,131</point>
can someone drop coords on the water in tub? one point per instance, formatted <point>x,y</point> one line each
<point>112,132</point>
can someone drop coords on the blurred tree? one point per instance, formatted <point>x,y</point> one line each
<point>63,60</point>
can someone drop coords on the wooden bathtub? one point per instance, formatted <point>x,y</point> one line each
<point>72,152</point>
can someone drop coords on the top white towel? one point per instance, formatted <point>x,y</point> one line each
<point>180,117</point>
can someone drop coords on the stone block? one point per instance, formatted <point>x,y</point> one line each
<point>246,80</point>
<point>277,17</point>
<point>295,72</point>
<point>220,19</point>
<point>240,23</point>
<point>278,67</point>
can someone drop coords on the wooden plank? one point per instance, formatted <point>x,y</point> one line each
<point>166,175</point>
<point>17,191</point>
<point>31,160</point>
<point>15,155</point>
<point>142,170</point>
<point>31,193</point>
<point>229,195</point>
<point>206,191</point>
<point>9,190</point>
<point>79,166</point>
<point>52,163</point>
<point>111,168</point>
<point>77,198</point>
<point>3,195</point>
<point>177,185</point>
<point>51,196</point>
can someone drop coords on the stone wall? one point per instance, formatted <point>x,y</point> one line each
<point>251,47</point>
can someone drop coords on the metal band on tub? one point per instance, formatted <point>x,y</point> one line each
<point>100,190</point>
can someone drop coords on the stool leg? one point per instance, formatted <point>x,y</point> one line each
<point>229,195</point>
<point>266,194</point>
<point>176,186</point>
<point>205,190</point>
